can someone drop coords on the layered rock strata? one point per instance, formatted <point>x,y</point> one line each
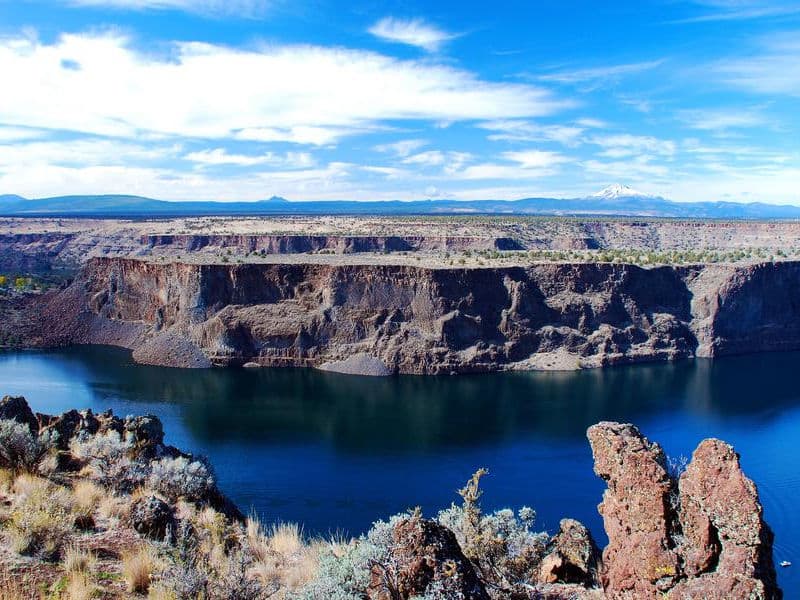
<point>400,319</point>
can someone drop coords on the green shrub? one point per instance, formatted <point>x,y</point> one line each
<point>344,571</point>
<point>501,545</point>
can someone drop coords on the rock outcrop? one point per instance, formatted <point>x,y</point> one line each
<point>15,408</point>
<point>152,517</point>
<point>573,556</point>
<point>424,553</point>
<point>636,511</point>
<point>700,537</point>
<point>385,319</point>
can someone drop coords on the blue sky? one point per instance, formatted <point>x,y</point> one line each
<point>315,99</point>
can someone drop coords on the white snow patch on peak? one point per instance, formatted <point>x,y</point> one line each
<point>619,191</point>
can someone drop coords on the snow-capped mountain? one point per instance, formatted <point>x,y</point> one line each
<point>617,190</point>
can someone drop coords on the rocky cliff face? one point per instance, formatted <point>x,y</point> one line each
<point>386,319</point>
<point>297,244</point>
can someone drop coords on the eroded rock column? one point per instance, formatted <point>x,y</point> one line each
<point>639,558</point>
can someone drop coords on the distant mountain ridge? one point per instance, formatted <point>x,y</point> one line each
<point>615,200</point>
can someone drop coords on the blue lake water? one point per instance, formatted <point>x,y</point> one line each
<point>336,452</point>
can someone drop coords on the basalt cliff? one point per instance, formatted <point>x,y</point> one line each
<point>384,319</point>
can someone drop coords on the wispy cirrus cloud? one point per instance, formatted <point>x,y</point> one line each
<point>412,32</point>
<point>738,10</point>
<point>229,8</point>
<point>401,148</point>
<point>721,120</point>
<point>525,131</point>
<point>624,145</point>
<point>770,68</point>
<point>600,74</point>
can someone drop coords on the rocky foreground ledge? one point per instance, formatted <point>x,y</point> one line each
<point>98,506</point>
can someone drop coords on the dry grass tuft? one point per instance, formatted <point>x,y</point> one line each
<point>87,496</point>
<point>282,561</point>
<point>77,560</point>
<point>286,539</point>
<point>6,480</point>
<point>257,541</point>
<point>40,520</point>
<point>80,587</point>
<point>113,507</point>
<point>138,568</point>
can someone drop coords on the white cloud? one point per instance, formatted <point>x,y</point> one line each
<point>776,185</point>
<point>239,8</point>
<point>85,152</point>
<point>413,32</point>
<point>431,158</point>
<point>525,131</point>
<point>618,146</point>
<point>450,162</point>
<point>328,182</point>
<point>388,172</point>
<point>636,169</point>
<point>302,94</point>
<point>401,148</point>
<point>736,10</point>
<point>220,156</point>
<point>721,119</point>
<point>535,159</point>
<point>604,74</point>
<point>771,69</point>
<point>530,164</point>
<point>591,123</point>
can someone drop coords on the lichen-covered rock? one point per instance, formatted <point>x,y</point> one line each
<point>639,558</point>
<point>574,556</point>
<point>152,517</point>
<point>15,408</point>
<point>702,538</point>
<point>70,425</point>
<point>146,433</point>
<point>727,547</point>
<point>425,553</point>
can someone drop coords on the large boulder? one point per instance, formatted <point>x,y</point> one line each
<point>573,557</point>
<point>424,553</point>
<point>151,517</point>
<point>146,433</point>
<point>15,408</point>
<point>639,559</point>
